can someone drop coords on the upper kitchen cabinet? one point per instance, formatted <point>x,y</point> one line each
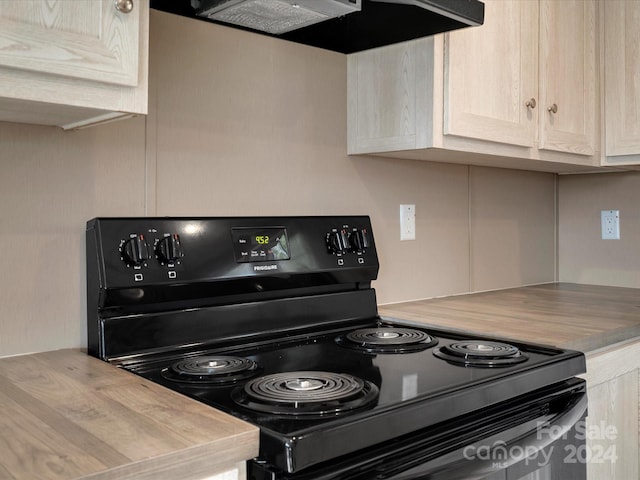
<point>621,61</point>
<point>518,92</point>
<point>73,63</point>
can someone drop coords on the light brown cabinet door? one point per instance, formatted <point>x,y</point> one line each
<point>612,434</point>
<point>612,429</point>
<point>567,76</point>
<point>491,76</point>
<point>622,78</point>
<point>81,39</point>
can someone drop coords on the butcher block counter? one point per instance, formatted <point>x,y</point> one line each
<point>66,415</point>
<point>580,317</point>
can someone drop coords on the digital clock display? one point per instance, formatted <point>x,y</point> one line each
<point>262,239</point>
<point>260,244</point>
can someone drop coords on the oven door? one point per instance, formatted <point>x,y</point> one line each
<point>531,438</point>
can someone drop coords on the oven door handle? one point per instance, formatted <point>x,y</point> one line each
<point>489,455</point>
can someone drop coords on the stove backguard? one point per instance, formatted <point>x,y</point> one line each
<point>158,284</point>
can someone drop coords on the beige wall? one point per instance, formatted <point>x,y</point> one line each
<point>51,183</point>
<point>512,218</point>
<point>245,125</point>
<point>584,256</point>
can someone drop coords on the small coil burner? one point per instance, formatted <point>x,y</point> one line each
<point>305,393</point>
<point>387,340</point>
<point>480,353</point>
<point>219,369</point>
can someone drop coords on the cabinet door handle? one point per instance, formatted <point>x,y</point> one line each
<point>531,103</point>
<point>553,108</point>
<point>124,6</point>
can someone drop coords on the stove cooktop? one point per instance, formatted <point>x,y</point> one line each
<point>366,381</point>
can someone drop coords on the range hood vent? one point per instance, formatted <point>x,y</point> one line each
<point>273,16</point>
<point>345,26</point>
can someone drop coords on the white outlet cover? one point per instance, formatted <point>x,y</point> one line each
<point>407,222</point>
<point>610,222</point>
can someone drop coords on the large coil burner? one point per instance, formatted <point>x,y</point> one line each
<point>306,393</point>
<point>387,340</point>
<point>480,353</point>
<point>219,369</point>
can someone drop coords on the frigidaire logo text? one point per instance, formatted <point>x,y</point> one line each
<point>262,268</point>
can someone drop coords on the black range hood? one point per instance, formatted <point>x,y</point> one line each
<point>378,23</point>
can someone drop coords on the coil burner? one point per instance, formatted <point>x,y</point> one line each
<point>306,393</point>
<point>480,353</point>
<point>211,370</point>
<point>387,340</point>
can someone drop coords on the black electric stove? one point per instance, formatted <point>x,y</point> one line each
<point>274,321</point>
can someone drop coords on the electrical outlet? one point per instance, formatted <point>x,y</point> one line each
<point>407,222</point>
<point>610,220</point>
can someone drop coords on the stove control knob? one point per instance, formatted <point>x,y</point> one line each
<point>169,248</point>
<point>135,250</point>
<point>359,240</point>
<point>338,241</point>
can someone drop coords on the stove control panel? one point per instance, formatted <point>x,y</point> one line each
<point>266,252</point>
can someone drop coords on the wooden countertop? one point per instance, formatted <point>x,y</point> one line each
<point>581,317</point>
<point>66,415</point>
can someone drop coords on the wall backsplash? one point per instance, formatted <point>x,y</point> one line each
<point>240,124</point>
<point>52,182</point>
<point>584,256</point>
